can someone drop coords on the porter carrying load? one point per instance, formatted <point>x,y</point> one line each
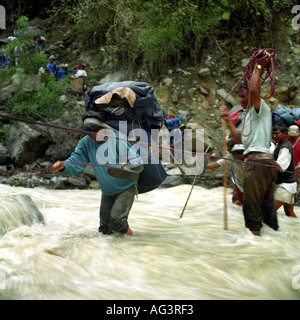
<point>134,104</point>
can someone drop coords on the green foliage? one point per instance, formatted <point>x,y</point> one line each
<point>283,5</point>
<point>4,134</point>
<point>22,23</point>
<point>30,60</point>
<point>152,33</point>
<point>44,104</point>
<point>31,64</point>
<point>6,74</point>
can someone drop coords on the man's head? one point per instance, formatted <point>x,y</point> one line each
<point>243,92</point>
<point>238,151</point>
<point>280,133</point>
<point>293,131</point>
<point>92,123</point>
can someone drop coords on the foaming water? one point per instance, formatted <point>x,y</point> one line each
<point>167,258</point>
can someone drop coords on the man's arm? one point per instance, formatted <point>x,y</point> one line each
<point>254,84</point>
<point>73,164</point>
<point>284,159</point>
<point>58,165</point>
<point>212,165</point>
<point>225,115</point>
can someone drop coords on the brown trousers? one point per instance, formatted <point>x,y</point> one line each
<point>258,203</point>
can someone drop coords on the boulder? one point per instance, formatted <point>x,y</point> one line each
<point>94,185</point>
<point>116,76</point>
<point>173,181</point>
<point>64,142</point>
<point>4,155</point>
<point>26,143</point>
<point>230,99</point>
<point>10,89</point>
<point>78,182</point>
<point>31,83</point>
<point>204,72</point>
<point>18,210</point>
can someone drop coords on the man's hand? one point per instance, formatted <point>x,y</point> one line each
<point>123,164</point>
<point>58,165</point>
<point>254,85</point>
<point>224,112</point>
<point>225,115</point>
<point>266,59</point>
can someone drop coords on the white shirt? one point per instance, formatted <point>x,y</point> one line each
<point>81,73</point>
<point>284,159</point>
<point>41,70</point>
<point>256,129</point>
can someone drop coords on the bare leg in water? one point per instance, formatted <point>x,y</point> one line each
<point>288,208</point>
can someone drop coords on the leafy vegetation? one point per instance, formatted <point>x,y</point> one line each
<point>30,61</point>
<point>148,34</point>
<point>43,103</point>
<point>155,33</point>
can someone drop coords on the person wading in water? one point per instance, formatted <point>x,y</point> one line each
<point>286,181</point>
<point>105,146</point>
<point>260,173</point>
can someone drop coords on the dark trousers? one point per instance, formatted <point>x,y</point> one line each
<point>258,203</point>
<point>114,211</point>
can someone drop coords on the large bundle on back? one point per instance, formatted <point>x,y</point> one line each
<point>286,116</point>
<point>127,100</point>
<point>135,104</point>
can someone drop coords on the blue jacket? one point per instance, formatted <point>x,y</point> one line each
<point>51,67</point>
<point>173,123</point>
<point>61,73</point>
<point>3,59</point>
<point>105,154</point>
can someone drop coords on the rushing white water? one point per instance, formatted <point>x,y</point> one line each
<point>167,258</point>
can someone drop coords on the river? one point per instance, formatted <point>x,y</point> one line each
<point>167,258</point>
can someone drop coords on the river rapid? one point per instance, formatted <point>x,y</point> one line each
<point>167,258</point>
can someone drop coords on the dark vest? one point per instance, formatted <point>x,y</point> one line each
<point>288,175</point>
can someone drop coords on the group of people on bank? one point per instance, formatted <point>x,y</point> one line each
<point>59,71</point>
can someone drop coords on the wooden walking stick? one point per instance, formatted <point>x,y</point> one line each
<point>188,197</point>
<point>225,174</point>
<point>194,181</point>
